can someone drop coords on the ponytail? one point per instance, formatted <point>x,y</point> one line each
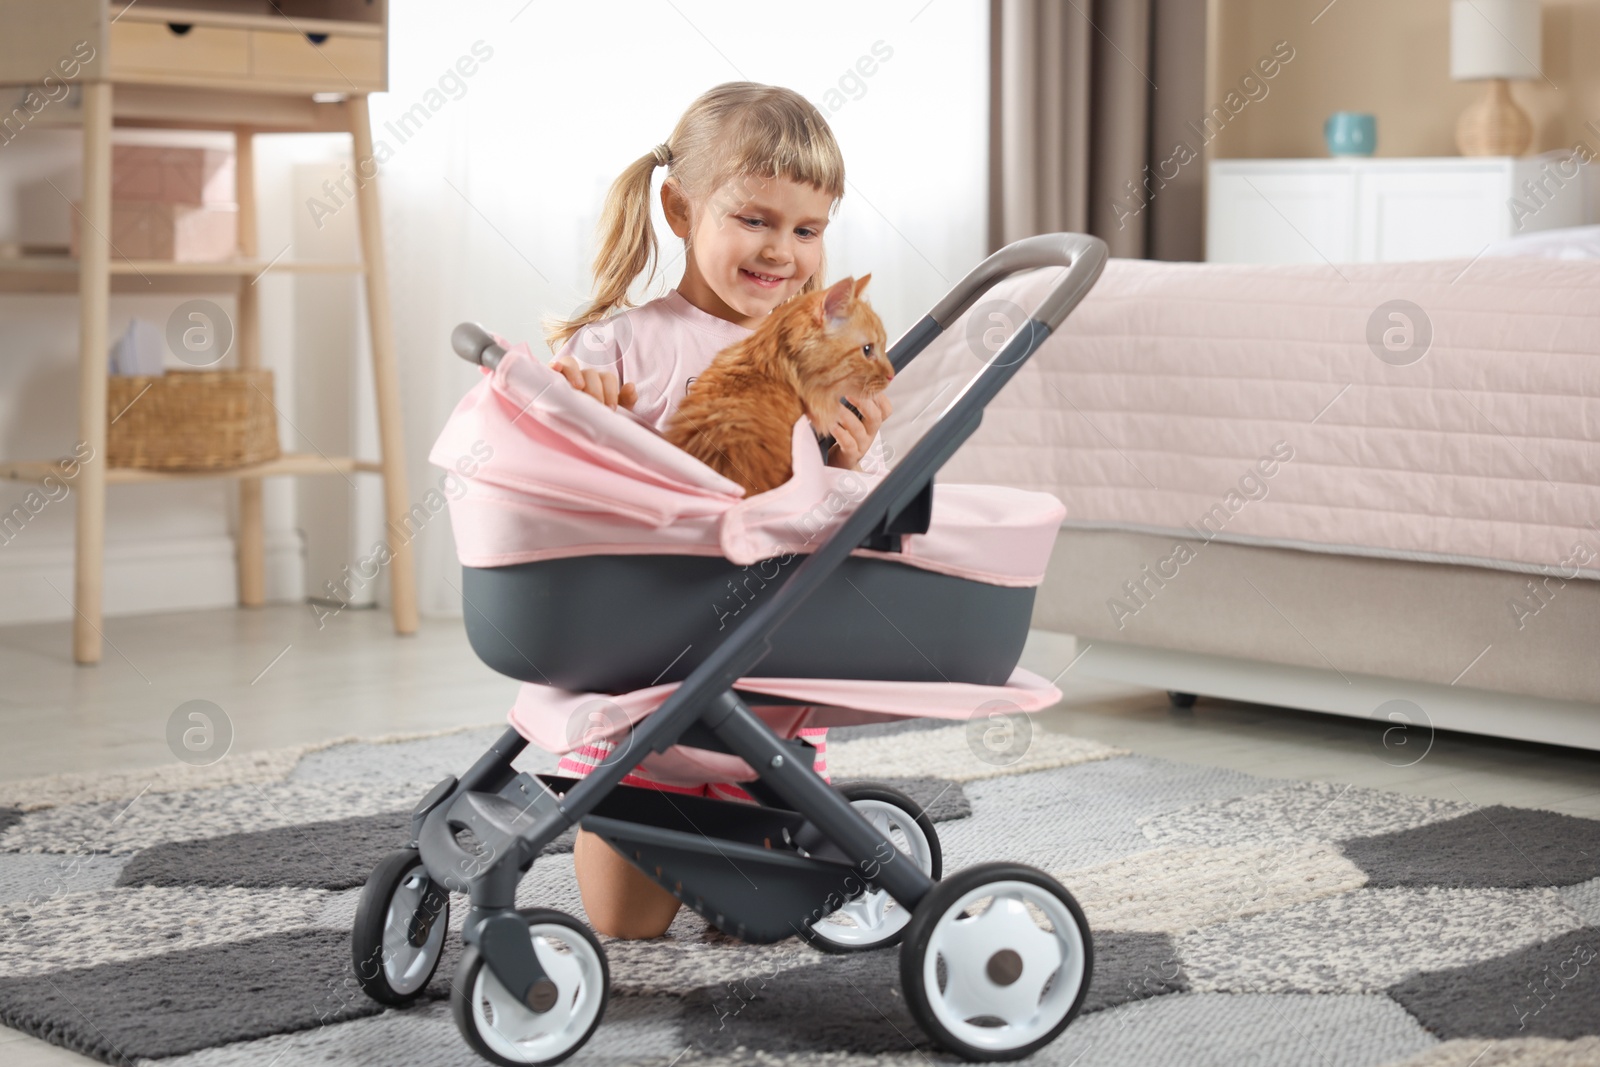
<point>627,249</point>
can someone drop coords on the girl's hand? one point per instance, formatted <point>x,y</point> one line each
<point>852,436</point>
<point>600,384</point>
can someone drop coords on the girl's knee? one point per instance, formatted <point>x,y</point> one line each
<point>620,901</point>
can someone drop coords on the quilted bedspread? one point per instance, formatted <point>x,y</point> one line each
<point>1445,411</point>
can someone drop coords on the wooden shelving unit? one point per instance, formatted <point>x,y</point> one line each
<point>249,67</point>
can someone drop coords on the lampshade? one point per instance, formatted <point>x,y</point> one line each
<point>1494,39</point>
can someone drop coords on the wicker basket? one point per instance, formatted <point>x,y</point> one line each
<point>191,420</point>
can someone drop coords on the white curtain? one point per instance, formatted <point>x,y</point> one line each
<point>493,187</point>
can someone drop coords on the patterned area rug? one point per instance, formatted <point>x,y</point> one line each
<point>200,917</point>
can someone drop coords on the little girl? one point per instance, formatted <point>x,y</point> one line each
<point>753,175</point>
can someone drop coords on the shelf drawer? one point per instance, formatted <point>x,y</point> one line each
<point>336,64</point>
<point>154,49</point>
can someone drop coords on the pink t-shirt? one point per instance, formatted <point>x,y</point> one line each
<point>660,347</point>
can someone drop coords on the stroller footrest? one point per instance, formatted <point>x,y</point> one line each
<point>755,893</point>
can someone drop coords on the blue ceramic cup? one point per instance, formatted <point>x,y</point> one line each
<point>1351,133</point>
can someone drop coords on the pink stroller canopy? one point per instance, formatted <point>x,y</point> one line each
<point>546,471</point>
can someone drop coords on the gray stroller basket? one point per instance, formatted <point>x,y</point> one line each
<point>994,959</point>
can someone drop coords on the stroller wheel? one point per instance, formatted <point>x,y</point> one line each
<point>996,961</point>
<point>504,1030</point>
<point>874,919</point>
<point>399,930</point>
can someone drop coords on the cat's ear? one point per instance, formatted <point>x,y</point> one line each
<point>836,303</point>
<point>862,284</point>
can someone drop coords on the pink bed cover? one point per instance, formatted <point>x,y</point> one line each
<point>1445,411</point>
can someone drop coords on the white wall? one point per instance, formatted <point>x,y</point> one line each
<point>489,212</point>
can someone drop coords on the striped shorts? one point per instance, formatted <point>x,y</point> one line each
<point>583,759</point>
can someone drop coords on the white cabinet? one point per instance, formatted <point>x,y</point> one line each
<point>1382,210</point>
<point>1281,217</point>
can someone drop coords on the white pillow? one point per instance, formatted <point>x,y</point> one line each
<point>1574,242</point>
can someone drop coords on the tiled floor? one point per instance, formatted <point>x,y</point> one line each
<point>280,679</point>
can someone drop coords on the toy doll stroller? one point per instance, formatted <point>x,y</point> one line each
<point>641,598</point>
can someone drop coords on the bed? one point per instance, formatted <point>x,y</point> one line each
<point>1369,489</point>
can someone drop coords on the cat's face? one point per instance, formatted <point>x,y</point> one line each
<point>841,350</point>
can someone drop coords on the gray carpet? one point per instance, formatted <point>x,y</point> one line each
<point>1238,920</point>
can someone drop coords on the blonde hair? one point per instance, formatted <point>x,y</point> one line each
<point>735,130</point>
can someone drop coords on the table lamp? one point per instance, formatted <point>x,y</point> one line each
<point>1494,41</point>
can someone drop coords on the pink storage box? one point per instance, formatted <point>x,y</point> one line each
<point>171,175</point>
<point>185,233</point>
<point>170,203</point>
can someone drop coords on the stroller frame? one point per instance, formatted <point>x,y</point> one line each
<point>514,816</point>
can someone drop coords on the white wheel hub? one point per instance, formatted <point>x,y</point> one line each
<point>406,966</point>
<point>1007,979</point>
<point>519,1033</point>
<point>874,916</point>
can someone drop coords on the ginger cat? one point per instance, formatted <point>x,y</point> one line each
<point>738,418</point>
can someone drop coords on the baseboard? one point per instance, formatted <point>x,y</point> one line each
<point>144,577</point>
<point>1443,707</point>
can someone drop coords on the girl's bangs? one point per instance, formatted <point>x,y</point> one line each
<point>766,149</point>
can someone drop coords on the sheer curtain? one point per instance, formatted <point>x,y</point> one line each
<point>493,179</point>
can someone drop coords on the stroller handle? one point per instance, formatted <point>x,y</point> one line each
<point>476,345</point>
<point>1081,254</point>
